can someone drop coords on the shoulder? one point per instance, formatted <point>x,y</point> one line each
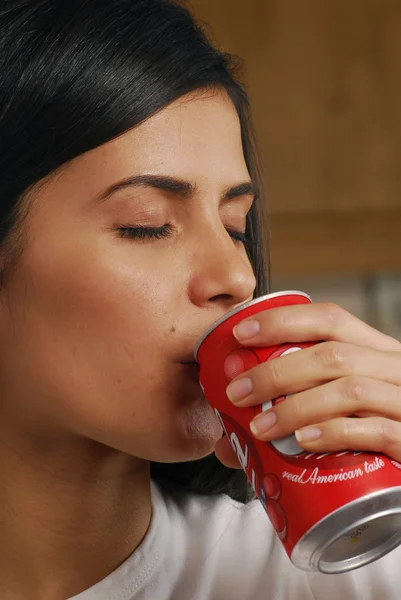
<point>233,548</point>
<point>219,518</point>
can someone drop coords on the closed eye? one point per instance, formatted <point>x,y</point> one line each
<point>142,233</point>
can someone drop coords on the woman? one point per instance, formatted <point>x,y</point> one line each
<point>130,214</point>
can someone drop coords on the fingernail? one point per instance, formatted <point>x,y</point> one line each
<point>246,330</point>
<point>308,435</point>
<point>264,422</point>
<point>239,389</point>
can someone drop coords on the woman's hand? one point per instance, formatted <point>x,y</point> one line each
<point>356,372</point>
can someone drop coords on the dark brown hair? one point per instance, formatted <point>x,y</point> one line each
<point>73,76</point>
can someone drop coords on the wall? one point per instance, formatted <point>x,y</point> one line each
<point>375,300</point>
<point>325,86</point>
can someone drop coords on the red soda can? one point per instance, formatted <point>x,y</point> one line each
<point>333,512</point>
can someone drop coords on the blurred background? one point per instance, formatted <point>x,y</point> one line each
<point>324,78</point>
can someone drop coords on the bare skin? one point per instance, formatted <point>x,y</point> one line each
<point>95,328</point>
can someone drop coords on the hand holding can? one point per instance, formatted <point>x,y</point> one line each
<point>333,512</point>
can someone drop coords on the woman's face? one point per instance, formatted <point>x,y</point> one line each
<point>96,324</point>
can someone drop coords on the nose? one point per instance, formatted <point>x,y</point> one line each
<point>222,275</point>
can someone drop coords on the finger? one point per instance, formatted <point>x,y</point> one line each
<point>340,398</point>
<point>312,367</point>
<point>312,322</point>
<point>374,434</point>
<point>226,454</point>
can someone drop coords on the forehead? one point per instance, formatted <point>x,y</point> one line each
<point>197,138</point>
<point>194,131</point>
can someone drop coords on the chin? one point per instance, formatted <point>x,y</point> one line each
<point>202,429</point>
<point>198,432</point>
<point>190,432</point>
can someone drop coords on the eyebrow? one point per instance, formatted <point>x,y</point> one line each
<point>180,187</point>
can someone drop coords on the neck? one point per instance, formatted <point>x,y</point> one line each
<point>70,514</point>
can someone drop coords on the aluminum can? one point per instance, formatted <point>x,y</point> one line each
<point>333,512</point>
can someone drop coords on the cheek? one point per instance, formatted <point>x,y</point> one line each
<point>107,285</point>
<point>90,323</point>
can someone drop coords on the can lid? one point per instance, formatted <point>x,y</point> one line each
<point>242,307</point>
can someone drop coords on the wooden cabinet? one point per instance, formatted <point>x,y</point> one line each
<point>324,77</point>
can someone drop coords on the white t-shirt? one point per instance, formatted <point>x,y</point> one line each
<point>218,549</point>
